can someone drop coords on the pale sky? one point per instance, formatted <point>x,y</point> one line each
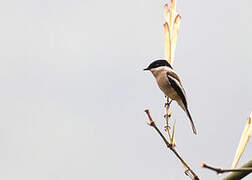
<point>73,92</point>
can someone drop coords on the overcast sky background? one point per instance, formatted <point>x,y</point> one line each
<point>73,92</point>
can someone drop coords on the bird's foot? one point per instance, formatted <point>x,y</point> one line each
<point>168,104</point>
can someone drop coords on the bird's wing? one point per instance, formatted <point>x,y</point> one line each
<point>176,85</point>
<point>174,75</point>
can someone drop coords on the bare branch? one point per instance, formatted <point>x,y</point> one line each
<point>236,174</point>
<point>240,175</point>
<point>189,172</point>
<point>220,170</point>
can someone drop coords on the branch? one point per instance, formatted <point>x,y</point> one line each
<point>242,174</point>
<point>236,173</point>
<point>220,170</point>
<point>189,172</point>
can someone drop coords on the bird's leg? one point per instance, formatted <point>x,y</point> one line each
<point>168,104</point>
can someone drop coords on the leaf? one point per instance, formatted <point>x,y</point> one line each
<point>167,13</point>
<point>175,37</point>
<point>243,141</point>
<point>171,28</point>
<point>173,132</point>
<point>167,42</point>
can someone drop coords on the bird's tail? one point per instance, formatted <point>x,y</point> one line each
<point>191,121</point>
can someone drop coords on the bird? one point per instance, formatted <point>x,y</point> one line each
<point>170,83</point>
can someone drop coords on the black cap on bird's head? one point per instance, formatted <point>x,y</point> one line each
<point>158,63</point>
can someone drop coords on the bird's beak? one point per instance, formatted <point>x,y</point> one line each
<point>146,69</point>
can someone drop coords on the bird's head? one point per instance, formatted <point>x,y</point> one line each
<point>157,65</point>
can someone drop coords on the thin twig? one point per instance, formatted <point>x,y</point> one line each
<point>152,124</point>
<point>188,169</point>
<point>220,170</point>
